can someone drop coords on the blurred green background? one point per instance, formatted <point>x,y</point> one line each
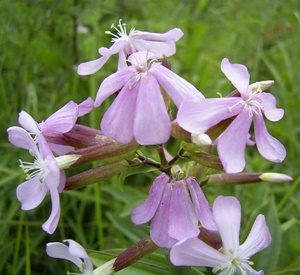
<point>41,44</point>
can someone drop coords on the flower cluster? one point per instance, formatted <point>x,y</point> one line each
<point>147,91</point>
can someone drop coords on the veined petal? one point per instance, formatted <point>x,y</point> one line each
<point>160,222</point>
<point>152,124</point>
<point>27,122</point>
<point>159,48</point>
<point>171,35</point>
<point>118,120</point>
<point>269,147</point>
<point>269,107</point>
<point>198,116</point>
<point>117,47</point>
<point>61,251</point>
<point>19,137</point>
<point>62,120</point>
<point>90,67</point>
<point>60,149</point>
<point>231,144</point>
<point>201,205</point>
<point>194,252</point>
<point>183,222</point>
<point>85,106</point>
<point>112,84</point>
<point>227,215</point>
<point>176,87</point>
<point>145,211</point>
<point>50,225</point>
<point>31,193</point>
<point>238,75</point>
<point>258,239</point>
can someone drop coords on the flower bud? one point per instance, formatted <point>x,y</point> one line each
<point>201,139</point>
<point>66,161</point>
<point>105,269</point>
<point>261,85</point>
<point>207,160</point>
<point>275,177</point>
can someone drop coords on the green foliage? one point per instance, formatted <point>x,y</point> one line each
<point>40,48</point>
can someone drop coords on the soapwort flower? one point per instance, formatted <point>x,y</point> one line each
<point>74,253</point>
<point>125,44</point>
<point>232,258</point>
<point>43,175</point>
<point>60,122</point>
<point>198,117</point>
<point>139,111</point>
<point>175,208</point>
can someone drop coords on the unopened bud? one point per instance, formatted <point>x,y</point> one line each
<point>261,85</point>
<point>66,161</point>
<point>232,179</point>
<point>275,177</point>
<point>207,160</point>
<point>105,269</point>
<point>201,139</point>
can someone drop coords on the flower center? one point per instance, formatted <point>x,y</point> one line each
<point>35,168</point>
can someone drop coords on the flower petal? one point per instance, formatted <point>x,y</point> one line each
<point>269,147</point>
<point>85,106</point>
<point>231,144</point>
<point>201,205</point>
<point>27,122</point>
<point>62,121</point>
<point>238,75</point>
<point>183,222</point>
<point>19,137</point>
<point>170,36</point>
<point>258,239</point>
<point>50,225</point>
<point>152,123</point>
<point>61,251</point>
<point>112,84</point>
<point>31,193</point>
<point>176,87</point>
<point>160,222</point>
<point>145,211</point>
<point>90,67</point>
<point>198,116</point>
<point>117,47</point>
<point>194,252</point>
<point>227,215</point>
<point>159,48</point>
<point>269,107</point>
<point>118,120</point>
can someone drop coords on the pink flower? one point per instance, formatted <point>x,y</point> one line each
<point>174,214</point>
<point>232,258</point>
<point>198,117</point>
<point>43,175</point>
<point>62,121</point>
<point>139,111</point>
<point>123,44</point>
<point>74,253</point>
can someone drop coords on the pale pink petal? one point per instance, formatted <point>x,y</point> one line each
<point>227,215</point>
<point>113,84</point>
<point>238,75</point>
<point>159,48</point>
<point>269,147</point>
<point>117,47</point>
<point>90,67</point>
<point>50,225</point>
<point>171,35</point>
<point>231,144</point>
<point>269,107</point>
<point>176,87</point>
<point>198,116</point>
<point>118,120</point>
<point>152,123</point>
<point>27,122</point>
<point>258,239</point>
<point>61,251</point>
<point>85,107</point>
<point>194,252</point>
<point>183,222</point>
<point>201,205</point>
<point>31,193</point>
<point>62,181</point>
<point>60,149</point>
<point>145,211</point>
<point>19,137</point>
<point>160,222</point>
<point>62,120</point>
